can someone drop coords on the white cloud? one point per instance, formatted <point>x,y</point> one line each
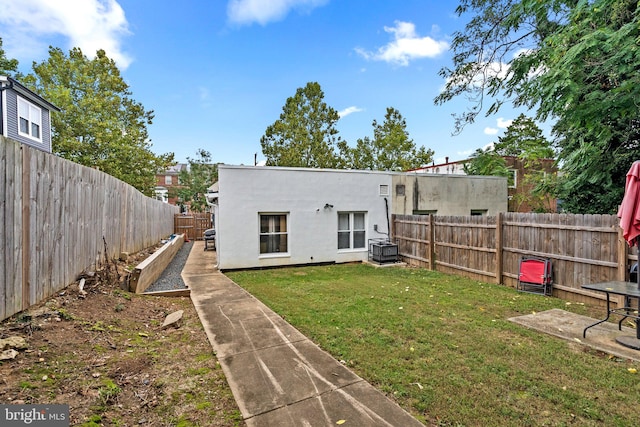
<point>405,46</point>
<point>349,110</point>
<point>503,123</point>
<point>87,24</point>
<point>265,11</point>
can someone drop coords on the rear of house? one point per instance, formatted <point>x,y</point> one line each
<point>270,216</point>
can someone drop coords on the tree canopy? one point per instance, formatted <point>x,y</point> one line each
<point>572,62</point>
<point>100,125</point>
<point>523,138</point>
<point>305,135</point>
<point>195,181</point>
<point>8,67</point>
<point>391,148</point>
<point>486,162</point>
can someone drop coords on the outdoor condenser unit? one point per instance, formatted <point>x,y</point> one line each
<point>382,250</point>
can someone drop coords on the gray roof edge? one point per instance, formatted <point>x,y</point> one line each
<point>24,91</point>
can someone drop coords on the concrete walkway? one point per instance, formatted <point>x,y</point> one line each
<point>278,376</point>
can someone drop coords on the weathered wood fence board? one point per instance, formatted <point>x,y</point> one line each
<point>583,248</point>
<point>192,225</point>
<point>54,215</point>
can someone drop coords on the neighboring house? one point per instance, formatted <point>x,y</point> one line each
<point>519,188</point>
<point>446,168</point>
<point>166,181</point>
<point>273,216</point>
<point>25,116</point>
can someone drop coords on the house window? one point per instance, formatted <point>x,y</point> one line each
<point>384,190</point>
<point>351,230</point>
<point>29,120</point>
<point>478,212</point>
<point>399,189</point>
<point>273,233</point>
<point>512,179</point>
<point>424,212</point>
<point>162,194</point>
<point>167,180</point>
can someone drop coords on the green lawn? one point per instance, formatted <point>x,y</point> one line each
<point>442,347</point>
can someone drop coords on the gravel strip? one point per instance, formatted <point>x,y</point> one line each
<point>170,278</point>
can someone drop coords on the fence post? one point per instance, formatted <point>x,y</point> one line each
<point>432,243</point>
<point>26,229</point>
<point>499,245</point>
<point>623,255</point>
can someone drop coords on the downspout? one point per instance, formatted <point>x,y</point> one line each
<point>386,205</point>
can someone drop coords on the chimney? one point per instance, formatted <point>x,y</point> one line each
<point>446,160</point>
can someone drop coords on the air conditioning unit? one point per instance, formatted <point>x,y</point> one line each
<point>383,250</point>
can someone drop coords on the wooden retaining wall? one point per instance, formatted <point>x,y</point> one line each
<point>583,248</point>
<point>57,217</point>
<point>151,268</point>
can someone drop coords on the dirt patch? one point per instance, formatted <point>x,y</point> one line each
<point>102,351</point>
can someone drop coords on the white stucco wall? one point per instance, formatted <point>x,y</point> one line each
<point>246,191</point>
<point>449,194</point>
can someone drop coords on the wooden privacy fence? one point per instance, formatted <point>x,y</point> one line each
<point>583,248</point>
<point>192,225</point>
<point>54,215</point>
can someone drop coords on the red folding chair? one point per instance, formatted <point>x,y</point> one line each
<point>535,276</point>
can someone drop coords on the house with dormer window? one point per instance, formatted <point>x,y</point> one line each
<point>24,115</point>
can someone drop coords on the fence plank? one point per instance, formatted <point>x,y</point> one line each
<point>5,201</point>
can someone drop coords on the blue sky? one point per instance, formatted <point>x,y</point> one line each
<point>217,73</point>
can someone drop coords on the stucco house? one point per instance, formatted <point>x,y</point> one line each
<point>275,216</point>
<point>25,116</point>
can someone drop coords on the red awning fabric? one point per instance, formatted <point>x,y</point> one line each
<point>629,212</point>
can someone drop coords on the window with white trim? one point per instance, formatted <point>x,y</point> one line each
<point>168,179</point>
<point>29,120</point>
<point>351,230</point>
<point>273,233</point>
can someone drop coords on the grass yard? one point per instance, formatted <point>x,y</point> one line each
<point>442,347</point>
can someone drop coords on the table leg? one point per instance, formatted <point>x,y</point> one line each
<point>638,321</point>
<point>584,333</point>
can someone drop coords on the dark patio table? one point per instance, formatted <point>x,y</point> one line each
<point>629,290</point>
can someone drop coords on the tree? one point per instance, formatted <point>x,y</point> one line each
<point>100,124</point>
<point>524,139</point>
<point>305,134</point>
<point>391,149</point>
<point>195,181</point>
<point>571,61</point>
<point>486,162</point>
<point>7,66</point>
